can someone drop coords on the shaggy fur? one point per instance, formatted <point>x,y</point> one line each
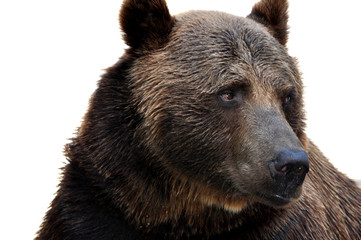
<point>181,133</point>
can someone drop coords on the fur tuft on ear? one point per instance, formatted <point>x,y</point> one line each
<point>146,23</point>
<point>274,15</point>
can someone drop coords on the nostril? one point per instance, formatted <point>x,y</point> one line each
<point>297,170</point>
<point>301,170</point>
<point>285,169</point>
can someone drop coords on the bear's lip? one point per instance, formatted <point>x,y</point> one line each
<point>277,197</point>
<point>274,200</point>
<point>278,200</point>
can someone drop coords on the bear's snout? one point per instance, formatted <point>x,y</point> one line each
<point>288,171</point>
<point>289,165</point>
<point>282,156</point>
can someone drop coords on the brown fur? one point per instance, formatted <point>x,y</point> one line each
<point>274,15</point>
<point>160,154</point>
<point>137,20</point>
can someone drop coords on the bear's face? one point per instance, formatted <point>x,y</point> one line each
<point>221,103</point>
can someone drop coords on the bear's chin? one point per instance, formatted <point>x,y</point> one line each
<point>235,208</point>
<point>238,202</point>
<point>234,204</point>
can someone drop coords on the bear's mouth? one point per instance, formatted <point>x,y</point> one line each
<point>277,200</point>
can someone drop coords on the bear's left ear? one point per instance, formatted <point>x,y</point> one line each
<point>274,15</point>
<point>146,23</point>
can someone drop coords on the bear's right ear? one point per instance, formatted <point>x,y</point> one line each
<point>146,23</point>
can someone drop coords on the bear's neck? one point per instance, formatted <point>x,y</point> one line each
<point>156,203</point>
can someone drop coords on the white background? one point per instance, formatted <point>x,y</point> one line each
<point>53,52</point>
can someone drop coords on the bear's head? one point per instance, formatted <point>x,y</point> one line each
<point>204,107</point>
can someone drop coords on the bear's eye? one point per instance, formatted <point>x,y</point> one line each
<point>288,100</point>
<point>227,96</point>
<point>230,98</point>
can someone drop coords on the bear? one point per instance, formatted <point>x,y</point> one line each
<point>198,132</point>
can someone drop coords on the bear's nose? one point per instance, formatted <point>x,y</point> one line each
<point>293,164</point>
